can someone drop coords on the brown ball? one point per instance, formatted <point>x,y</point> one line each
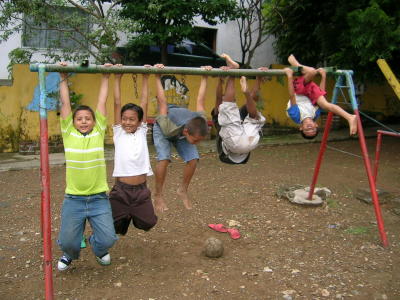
<point>213,248</point>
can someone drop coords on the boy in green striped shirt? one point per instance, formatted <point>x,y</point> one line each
<point>83,133</point>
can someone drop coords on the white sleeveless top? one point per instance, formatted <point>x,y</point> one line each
<point>131,152</point>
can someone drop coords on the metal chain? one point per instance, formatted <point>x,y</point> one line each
<point>134,77</point>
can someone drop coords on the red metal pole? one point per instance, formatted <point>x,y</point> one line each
<point>394,134</point>
<point>46,218</point>
<point>45,183</point>
<point>321,154</point>
<point>377,154</point>
<point>371,181</point>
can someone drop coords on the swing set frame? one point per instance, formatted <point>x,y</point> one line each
<point>343,81</point>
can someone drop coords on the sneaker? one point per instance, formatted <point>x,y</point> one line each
<point>64,263</point>
<point>104,260</point>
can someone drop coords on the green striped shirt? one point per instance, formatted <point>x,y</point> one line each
<point>84,156</point>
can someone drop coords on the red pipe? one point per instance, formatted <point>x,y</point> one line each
<point>46,217</point>
<point>395,134</point>
<point>321,154</point>
<point>371,181</point>
<point>377,154</point>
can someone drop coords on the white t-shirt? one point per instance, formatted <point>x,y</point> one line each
<point>303,109</point>
<point>131,152</point>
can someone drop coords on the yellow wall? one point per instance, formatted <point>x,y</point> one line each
<point>17,122</point>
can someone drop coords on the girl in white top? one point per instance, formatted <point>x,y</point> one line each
<point>130,198</point>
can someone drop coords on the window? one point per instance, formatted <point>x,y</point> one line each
<point>207,36</point>
<point>45,35</point>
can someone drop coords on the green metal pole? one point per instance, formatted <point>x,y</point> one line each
<point>167,70</point>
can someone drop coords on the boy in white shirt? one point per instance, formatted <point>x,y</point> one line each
<point>306,99</point>
<point>130,198</point>
<point>238,130</point>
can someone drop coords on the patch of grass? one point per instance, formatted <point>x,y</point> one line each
<point>357,230</point>
<point>332,203</point>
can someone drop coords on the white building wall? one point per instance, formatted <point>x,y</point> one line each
<point>227,42</point>
<point>5,48</point>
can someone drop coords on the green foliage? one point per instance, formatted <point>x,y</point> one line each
<point>348,34</point>
<point>18,56</point>
<point>92,29</point>
<point>74,98</point>
<point>163,22</point>
<point>332,203</point>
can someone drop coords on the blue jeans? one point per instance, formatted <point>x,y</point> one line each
<point>76,210</point>
<point>185,150</point>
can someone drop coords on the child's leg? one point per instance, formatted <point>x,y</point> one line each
<point>182,191</point>
<point>218,93</point>
<point>230,84</point>
<point>72,226</point>
<point>188,152</point>
<point>143,216</point>
<point>160,175</point>
<point>250,103</point>
<point>102,223</point>
<point>229,95</point>
<point>308,72</point>
<point>336,109</point>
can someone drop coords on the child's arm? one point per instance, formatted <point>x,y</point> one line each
<point>292,96</point>
<point>144,97</point>
<point>322,84</point>
<point>219,93</point>
<point>161,99</point>
<point>103,93</point>
<point>117,98</point>
<point>201,95</point>
<point>64,94</point>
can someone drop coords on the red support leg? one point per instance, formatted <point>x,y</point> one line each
<point>46,227</point>
<point>377,154</point>
<point>321,154</point>
<point>45,184</point>
<point>371,181</point>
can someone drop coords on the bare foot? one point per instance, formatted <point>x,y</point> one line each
<point>243,84</point>
<point>159,204</point>
<point>182,193</point>
<point>293,61</point>
<point>353,125</point>
<point>229,61</point>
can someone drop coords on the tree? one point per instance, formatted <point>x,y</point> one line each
<point>163,22</point>
<point>250,25</point>
<point>74,30</point>
<point>347,34</point>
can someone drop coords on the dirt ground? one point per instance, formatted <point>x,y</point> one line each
<point>285,252</point>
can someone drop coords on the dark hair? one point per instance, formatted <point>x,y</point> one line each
<point>309,137</point>
<point>197,126</point>
<point>133,107</point>
<point>83,107</point>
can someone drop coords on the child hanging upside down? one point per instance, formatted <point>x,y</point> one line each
<point>238,130</point>
<point>306,97</point>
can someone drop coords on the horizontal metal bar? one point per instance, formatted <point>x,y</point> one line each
<point>152,70</point>
<point>395,134</point>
